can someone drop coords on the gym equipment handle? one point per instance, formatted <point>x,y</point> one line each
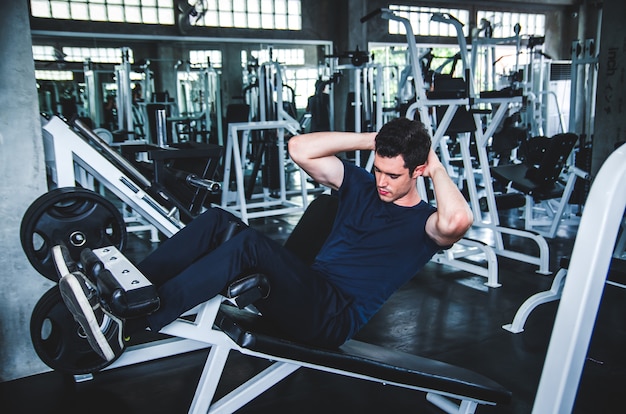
<point>210,185</point>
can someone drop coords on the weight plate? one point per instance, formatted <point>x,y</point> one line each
<point>60,341</point>
<point>77,217</point>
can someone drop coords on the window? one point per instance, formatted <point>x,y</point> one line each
<point>288,57</point>
<point>303,82</point>
<point>79,54</point>
<point>252,14</point>
<point>125,11</point>
<point>296,76</point>
<point>503,23</point>
<point>48,53</point>
<point>54,75</point>
<point>202,57</point>
<point>421,23</point>
<point>505,59</point>
<point>97,55</point>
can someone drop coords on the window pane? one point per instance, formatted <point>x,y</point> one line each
<point>166,16</point>
<point>280,7</point>
<point>253,6</point>
<point>254,21</point>
<point>239,5</point>
<point>210,19</point>
<point>97,12</point>
<point>116,13</point>
<point>79,11</point>
<point>150,15</point>
<point>40,8</point>
<point>267,6</point>
<point>281,22</point>
<point>226,19</point>
<point>60,10</point>
<point>294,7</point>
<point>133,14</point>
<point>267,21</point>
<point>240,19</point>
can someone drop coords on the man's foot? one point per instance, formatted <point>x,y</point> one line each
<point>82,300</point>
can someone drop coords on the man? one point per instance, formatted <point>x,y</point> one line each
<point>383,235</point>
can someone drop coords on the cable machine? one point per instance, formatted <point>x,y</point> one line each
<point>199,104</point>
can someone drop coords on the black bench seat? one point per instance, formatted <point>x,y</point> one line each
<point>386,365</point>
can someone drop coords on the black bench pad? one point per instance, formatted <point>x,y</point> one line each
<point>387,365</point>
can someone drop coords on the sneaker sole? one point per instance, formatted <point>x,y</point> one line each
<point>59,261</point>
<point>78,304</point>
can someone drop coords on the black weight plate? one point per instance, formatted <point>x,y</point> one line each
<point>60,341</point>
<point>77,217</point>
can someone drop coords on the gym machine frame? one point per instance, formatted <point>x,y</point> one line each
<point>209,80</point>
<point>501,104</point>
<point>64,151</point>
<point>582,291</point>
<point>270,206</point>
<point>273,117</point>
<point>453,389</point>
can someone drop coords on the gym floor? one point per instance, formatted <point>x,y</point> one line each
<point>442,313</point>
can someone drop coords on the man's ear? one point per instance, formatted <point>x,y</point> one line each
<point>419,170</point>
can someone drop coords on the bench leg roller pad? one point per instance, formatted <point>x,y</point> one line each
<point>126,291</point>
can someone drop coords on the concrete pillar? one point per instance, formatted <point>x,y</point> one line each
<point>610,128</point>
<point>23,180</point>
<point>165,74</point>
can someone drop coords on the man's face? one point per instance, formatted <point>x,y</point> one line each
<point>394,182</point>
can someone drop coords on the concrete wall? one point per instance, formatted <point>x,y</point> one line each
<point>23,180</point>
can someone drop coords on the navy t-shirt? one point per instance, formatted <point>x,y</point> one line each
<point>375,246</point>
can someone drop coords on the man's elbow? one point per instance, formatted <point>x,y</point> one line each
<point>455,228</point>
<point>462,222</point>
<point>294,146</point>
<point>466,220</point>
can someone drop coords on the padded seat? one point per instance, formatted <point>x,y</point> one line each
<point>541,180</point>
<point>387,365</point>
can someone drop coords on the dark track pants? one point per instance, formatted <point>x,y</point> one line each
<point>192,267</point>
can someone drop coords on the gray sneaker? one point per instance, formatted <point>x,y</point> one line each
<point>63,260</point>
<point>82,300</point>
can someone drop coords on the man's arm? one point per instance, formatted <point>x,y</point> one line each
<point>315,153</point>
<point>453,217</point>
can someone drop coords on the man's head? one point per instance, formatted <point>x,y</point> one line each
<point>402,148</point>
<point>404,137</point>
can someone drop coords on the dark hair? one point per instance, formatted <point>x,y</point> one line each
<point>402,136</point>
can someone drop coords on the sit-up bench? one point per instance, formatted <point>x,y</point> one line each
<point>365,361</point>
<point>224,327</point>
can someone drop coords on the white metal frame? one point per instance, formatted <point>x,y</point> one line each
<point>499,106</point>
<point>200,332</point>
<point>236,153</point>
<point>546,216</point>
<point>66,149</point>
<point>66,152</point>
<point>367,82</point>
<point>587,271</point>
<point>556,289</point>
